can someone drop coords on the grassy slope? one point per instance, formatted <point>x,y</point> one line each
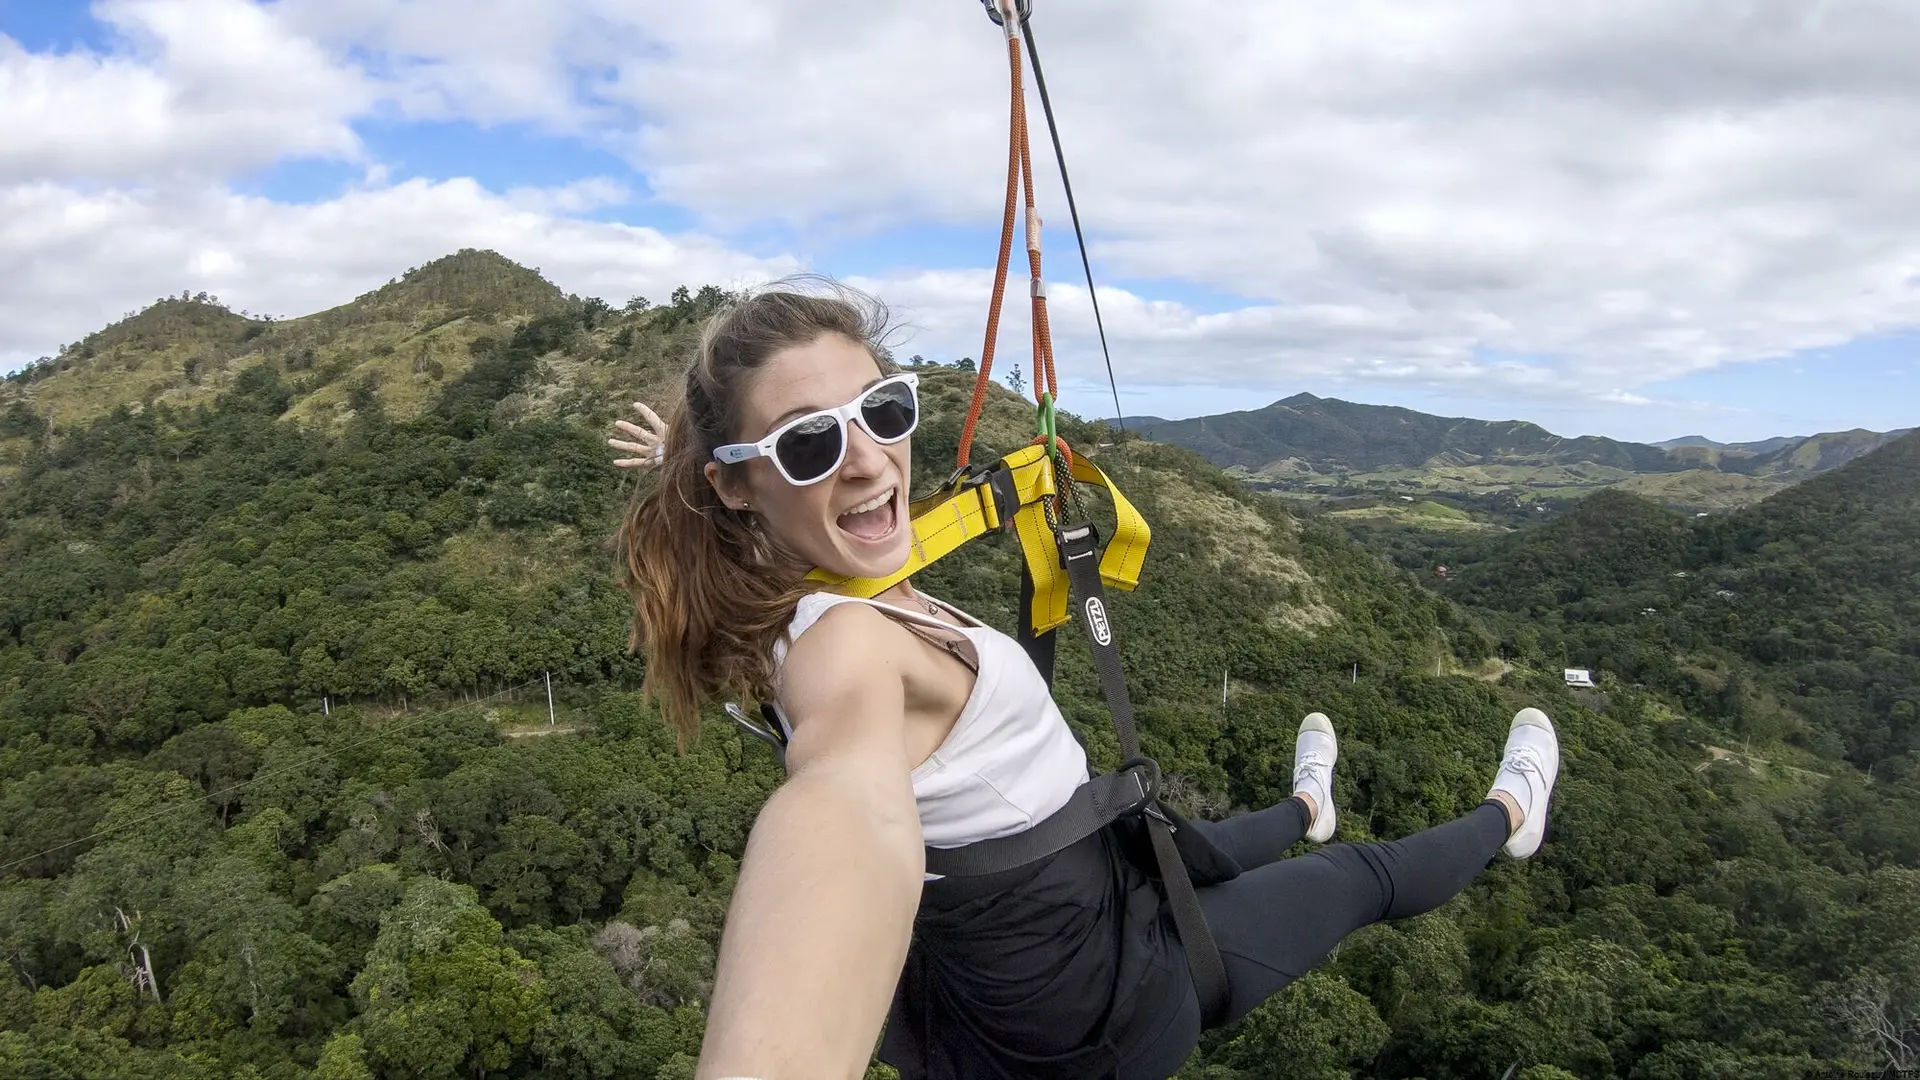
<point>1701,489</point>
<point>187,351</point>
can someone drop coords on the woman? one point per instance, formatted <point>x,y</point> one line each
<point>913,724</point>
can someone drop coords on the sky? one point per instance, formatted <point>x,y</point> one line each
<point>1635,218</point>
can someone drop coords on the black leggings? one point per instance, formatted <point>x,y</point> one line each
<point>1281,917</point>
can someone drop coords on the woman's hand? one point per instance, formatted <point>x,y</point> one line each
<point>650,443</point>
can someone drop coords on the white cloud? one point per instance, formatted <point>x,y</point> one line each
<point>1651,188</point>
<point>198,88</point>
<point>1492,196</point>
<point>74,259</point>
<point>487,61</point>
<point>577,197</point>
<point>1622,397</point>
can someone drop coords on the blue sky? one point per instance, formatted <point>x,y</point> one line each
<point>50,25</point>
<point>1257,229</point>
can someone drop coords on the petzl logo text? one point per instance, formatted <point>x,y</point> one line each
<point>1097,618</point>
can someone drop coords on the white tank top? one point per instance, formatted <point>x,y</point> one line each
<point>1010,760</point>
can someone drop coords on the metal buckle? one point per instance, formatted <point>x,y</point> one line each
<point>1077,541</point>
<point>964,472</point>
<point>1151,794</point>
<point>999,482</point>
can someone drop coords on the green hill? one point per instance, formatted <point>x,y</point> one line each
<point>1311,444</point>
<point>407,337</point>
<point>279,797</point>
<point>1329,435</point>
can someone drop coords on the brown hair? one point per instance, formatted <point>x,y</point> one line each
<point>712,594</point>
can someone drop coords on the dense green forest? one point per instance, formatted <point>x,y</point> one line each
<point>282,801</point>
<point>1798,618</point>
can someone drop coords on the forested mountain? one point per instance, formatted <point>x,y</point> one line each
<point>1327,434</point>
<point>1816,591</point>
<point>1312,443</point>
<point>279,798</point>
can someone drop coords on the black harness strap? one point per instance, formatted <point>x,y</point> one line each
<point>1039,647</point>
<point>1080,549</point>
<point>1095,805</point>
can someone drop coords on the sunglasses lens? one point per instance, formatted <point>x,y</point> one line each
<point>809,449</point>
<point>890,411</point>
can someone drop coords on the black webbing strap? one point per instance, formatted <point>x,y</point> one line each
<point>1080,550</point>
<point>1095,805</point>
<point>1006,493</point>
<point>1039,647</point>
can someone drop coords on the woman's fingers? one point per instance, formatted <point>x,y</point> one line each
<point>650,442</point>
<point>653,420</point>
<point>650,454</point>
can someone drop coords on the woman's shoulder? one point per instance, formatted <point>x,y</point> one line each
<point>849,653</point>
<point>832,616</point>
<point>829,628</point>
<point>812,606</point>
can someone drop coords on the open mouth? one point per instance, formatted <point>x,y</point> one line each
<point>874,519</point>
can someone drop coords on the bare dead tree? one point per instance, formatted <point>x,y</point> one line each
<point>429,831</point>
<point>1884,1019</point>
<point>137,953</point>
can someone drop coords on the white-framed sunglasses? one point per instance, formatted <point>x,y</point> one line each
<point>807,449</point>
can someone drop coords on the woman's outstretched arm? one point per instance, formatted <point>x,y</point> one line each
<point>823,912</point>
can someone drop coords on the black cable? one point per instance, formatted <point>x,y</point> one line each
<point>1046,103</point>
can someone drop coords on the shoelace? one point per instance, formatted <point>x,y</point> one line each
<point>1524,760</point>
<point>1308,762</point>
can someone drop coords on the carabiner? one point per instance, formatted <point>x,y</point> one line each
<point>1022,8</point>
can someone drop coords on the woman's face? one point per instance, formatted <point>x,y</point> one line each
<point>854,522</point>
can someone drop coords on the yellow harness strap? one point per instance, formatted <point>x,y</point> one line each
<point>943,523</point>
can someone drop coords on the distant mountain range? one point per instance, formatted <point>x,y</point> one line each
<point>1306,442</point>
<point>1764,446</point>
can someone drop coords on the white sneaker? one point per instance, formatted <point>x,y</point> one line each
<point>1314,752</point>
<point>1527,773</point>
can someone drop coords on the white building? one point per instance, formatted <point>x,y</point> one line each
<point>1579,677</point>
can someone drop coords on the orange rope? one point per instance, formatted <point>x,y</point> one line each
<point>1019,178</point>
<point>1044,379</point>
<point>1016,155</point>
